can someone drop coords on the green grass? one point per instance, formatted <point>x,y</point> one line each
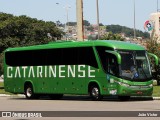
<point>156,90</point>
<point>1,84</point>
<point>1,90</point>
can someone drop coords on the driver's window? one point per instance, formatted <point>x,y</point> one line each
<point>112,65</point>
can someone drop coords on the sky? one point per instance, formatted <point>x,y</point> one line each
<point>117,12</point>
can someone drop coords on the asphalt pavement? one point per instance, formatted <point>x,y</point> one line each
<point>78,108</point>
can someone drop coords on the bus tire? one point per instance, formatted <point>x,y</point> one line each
<point>29,93</point>
<point>94,92</point>
<point>124,98</point>
<point>56,96</point>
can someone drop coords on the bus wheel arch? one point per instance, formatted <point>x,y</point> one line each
<point>29,91</point>
<point>94,91</point>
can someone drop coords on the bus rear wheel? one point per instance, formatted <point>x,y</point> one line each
<point>29,93</point>
<point>94,92</point>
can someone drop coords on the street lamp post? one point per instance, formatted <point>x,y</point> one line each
<point>98,18</point>
<point>134,21</point>
<point>67,23</point>
<point>157,6</point>
<point>67,8</point>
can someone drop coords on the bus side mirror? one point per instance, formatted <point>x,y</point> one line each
<point>154,64</point>
<point>155,58</point>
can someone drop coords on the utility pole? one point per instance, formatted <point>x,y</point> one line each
<point>79,20</point>
<point>98,18</point>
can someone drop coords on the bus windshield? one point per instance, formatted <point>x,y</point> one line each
<point>135,66</point>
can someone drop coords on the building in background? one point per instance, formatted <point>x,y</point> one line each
<point>153,25</point>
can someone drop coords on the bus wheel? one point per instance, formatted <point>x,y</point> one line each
<point>56,96</point>
<point>29,93</point>
<point>95,93</point>
<point>124,98</point>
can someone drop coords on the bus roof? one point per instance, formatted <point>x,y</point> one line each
<point>108,43</point>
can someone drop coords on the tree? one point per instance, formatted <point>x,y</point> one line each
<point>111,36</point>
<point>100,24</point>
<point>59,24</point>
<point>24,31</point>
<point>71,23</point>
<point>86,23</point>
<point>154,47</point>
<point>127,31</point>
<point>90,28</point>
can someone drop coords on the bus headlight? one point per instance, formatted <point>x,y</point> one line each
<point>123,84</point>
<point>126,85</point>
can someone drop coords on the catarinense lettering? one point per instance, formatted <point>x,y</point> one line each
<point>60,71</point>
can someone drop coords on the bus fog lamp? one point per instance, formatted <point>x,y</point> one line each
<point>113,92</point>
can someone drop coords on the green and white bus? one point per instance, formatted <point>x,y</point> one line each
<point>100,68</point>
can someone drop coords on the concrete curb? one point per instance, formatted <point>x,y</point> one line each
<point>6,95</point>
<point>156,98</point>
<point>146,97</point>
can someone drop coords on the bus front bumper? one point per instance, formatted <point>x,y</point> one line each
<point>135,90</point>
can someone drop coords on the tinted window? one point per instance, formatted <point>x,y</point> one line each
<point>102,55</point>
<point>111,64</point>
<point>65,56</point>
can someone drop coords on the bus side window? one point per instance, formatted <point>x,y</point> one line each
<point>112,65</point>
